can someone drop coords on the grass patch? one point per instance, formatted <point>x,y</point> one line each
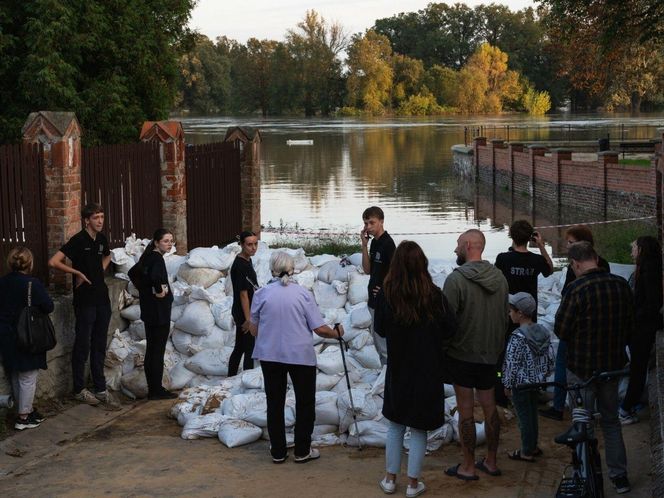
<point>635,162</point>
<point>320,243</point>
<point>614,241</point>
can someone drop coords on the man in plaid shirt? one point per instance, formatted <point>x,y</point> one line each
<point>596,318</point>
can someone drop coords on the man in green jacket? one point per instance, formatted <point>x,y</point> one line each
<point>477,292</point>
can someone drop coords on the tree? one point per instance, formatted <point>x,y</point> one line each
<point>370,73</point>
<point>443,82</point>
<point>407,80</point>
<point>536,103</point>
<point>115,64</point>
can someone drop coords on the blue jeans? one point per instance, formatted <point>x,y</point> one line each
<point>560,375</point>
<point>394,449</point>
<point>525,405</point>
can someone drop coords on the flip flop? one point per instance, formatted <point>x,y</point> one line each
<point>454,472</point>
<point>480,465</point>
<point>516,455</point>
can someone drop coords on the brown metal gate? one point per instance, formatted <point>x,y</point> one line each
<point>22,204</point>
<point>214,209</point>
<point>126,181</point>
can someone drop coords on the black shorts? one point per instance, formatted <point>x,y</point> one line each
<point>472,375</point>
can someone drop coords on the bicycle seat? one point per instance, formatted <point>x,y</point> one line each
<point>571,437</point>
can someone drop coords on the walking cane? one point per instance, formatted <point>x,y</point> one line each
<point>344,345</point>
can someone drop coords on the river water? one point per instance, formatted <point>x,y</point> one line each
<point>402,165</point>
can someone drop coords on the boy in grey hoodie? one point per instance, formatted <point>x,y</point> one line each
<point>529,359</point>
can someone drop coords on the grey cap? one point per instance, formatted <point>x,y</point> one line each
<point>523,302</point>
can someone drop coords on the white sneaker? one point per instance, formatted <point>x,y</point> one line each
<point>627,418</point>
<point>314,454</point>
<point>388,487</point>
<point>87,397</point>
<point>109,401</point>
<point>411,492</point>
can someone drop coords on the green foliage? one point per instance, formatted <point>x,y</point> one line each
<point>613,241</point>
<point>322,243</point>
<point>113,63</point>
<point>536,103</point>
<point>443,82</point>
<point>422,104</point>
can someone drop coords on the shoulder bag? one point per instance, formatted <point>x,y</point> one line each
<point>34,330</point>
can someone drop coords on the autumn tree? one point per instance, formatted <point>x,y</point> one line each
<point>370,74</point>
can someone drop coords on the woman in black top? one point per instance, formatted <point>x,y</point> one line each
<point>244,282</point>
<point>410,314</point>
<point>21,367</point>
<point>155,301</point>
<point>647,285</point>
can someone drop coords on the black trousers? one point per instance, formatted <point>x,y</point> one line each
<point>91,335</point>
<point>244,345</point>
<point>639,350</point>
<point>304,384</point>
<point>156,337</point>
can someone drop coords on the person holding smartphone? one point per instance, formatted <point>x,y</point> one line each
<point>376,258</point>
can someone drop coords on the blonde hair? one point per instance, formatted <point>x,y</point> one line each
<point>20,259</point>
<point>282,265</point>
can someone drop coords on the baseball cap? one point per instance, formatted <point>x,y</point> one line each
<point>523,302</point>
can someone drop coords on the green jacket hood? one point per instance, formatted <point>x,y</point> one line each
<point>483,274</point>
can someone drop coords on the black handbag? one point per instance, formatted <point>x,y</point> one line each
<point>35,332</point>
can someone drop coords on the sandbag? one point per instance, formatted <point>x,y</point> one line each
<point>215,293</point>
<point>221,313</point>
<point>196,319</point>
<point>135,383</point>
<point>360,317</point>
<point>372,433</point>
<point>253,379</point>
<point>365,407</point>
<point>367,357</point>
<point>239,405</point>
<point>329,361</point>
<point>327,296</point>
<point>216,339</point>
<point>132,313</point>
<point>332,271</point>
<point>118,349</point>
<point>210,362</point>
<point>203,277</point>
<point>320,259</point>
<point>325,382</point>
<point>306,279</point>
<point>233,433</point>
<point>213,257</point>
<point>180,290</point>
<point>181,341</point>
<point>137,330</point>
<point>179,376</point>
<point>326,408</point>
<point>173,263</point>
<point>358,288</point>
<point>202,426</point>
<point>176,312</point>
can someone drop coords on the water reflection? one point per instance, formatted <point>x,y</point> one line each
<point>405,167</point>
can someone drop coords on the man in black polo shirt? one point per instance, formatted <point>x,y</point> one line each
<point>90,255</point>
<point>376,263</point>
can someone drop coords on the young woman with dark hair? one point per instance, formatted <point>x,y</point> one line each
<point>647,285</point>
<point>243,277</point>
<point>411,315</point>
<point>155,301</point>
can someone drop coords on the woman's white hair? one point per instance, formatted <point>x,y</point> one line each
<point>282,265</point>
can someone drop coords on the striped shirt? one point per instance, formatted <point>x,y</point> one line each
<point>596,318</point>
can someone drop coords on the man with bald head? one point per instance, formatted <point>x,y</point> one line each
<point>477,293</point>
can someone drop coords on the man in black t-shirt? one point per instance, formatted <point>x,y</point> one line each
<point>90,255</point>
<point>376,263</point>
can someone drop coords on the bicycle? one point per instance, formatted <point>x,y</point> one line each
<point>586,480</point>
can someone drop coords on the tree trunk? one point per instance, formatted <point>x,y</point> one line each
<point>636,102</point>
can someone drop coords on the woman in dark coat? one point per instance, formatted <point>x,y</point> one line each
<point>155,301</point>
<point>21,367</point>
<point>410,315</point>
<point>647,285</point>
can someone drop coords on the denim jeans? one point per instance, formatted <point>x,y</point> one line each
<point>525,405</point>
<point>560,375</point>
<point>24,385</point>
<point>394,449</point>
<point>606,395</point>
<point>380,343</point>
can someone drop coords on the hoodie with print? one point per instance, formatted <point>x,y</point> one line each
<point>477,293</point>
<point>529,357</point>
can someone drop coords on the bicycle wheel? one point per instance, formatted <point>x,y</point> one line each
<point>593,470</point>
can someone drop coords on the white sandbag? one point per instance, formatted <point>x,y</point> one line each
<point>372,433</point>
<point>221,313</point>
<point>180,290</point>
<point>216,339</point>
<point>196,319</point>
<point>335,315</point>
<point>253,379</point>
<point>118,349</point>
<point>211,257</point>
<point>321,440</point>
<point>327,296</point>
<point>449,390</point>
<point>239,405</point>
<point>176,312</point>
<point>131,288</point>
<point>365,407</point>
<point>320,259</point>
<point>179,376</point>
<point>203,277</point>
<point>325,382</point>
<point>358,288</point>
<point>122,261</point>
<point>450,405</point>
<point>210,362</point>
<point>137,330</point>
<point>332,271</point>
<point>306,279</point>
<point>202,426</point>
<point>300,258</point>
<point>355,259</point>
<point>360,317</point>
<point>233,433</point>
<point>113,376</point>
<point>326,408</point>
<point>378,387</point>
<point>181,341</point>
<point>135,383</point>
<point>358,338</point>
<point>330,361</point>
<point>131,313</point>
<point>173,263</point>
<point>216,292</point>
<point>367,357</point>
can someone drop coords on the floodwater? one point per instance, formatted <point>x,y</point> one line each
<point>405,167</point>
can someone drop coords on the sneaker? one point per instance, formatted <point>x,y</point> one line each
<point>552,413</point>
<point>314,454</point>
<point>37,416</point>
<point>388,487</point>
<point>627,418</point>
<point>621,483</point>
<point>28,422</point>
<point>280,460</point>
<point>86,397</point>
<point>411,492</point>
<point>163,394</point>
<point>109,401</point>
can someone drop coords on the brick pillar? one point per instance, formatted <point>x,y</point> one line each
<point>559,155</point>
<point>477,142</point>
<point>250,175</point>
<point>513,147</point>
<point>534,150</point>
<point>60,134</point>
<point>495,144</point>
<point>170,136</point>
<point>605,158</point>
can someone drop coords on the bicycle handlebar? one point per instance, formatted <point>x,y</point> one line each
<point>599,377</point>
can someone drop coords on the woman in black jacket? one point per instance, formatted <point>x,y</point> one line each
<point>21,367</point>
<point>410,314</point>
<point>647,285</point>
<point>155,301</point>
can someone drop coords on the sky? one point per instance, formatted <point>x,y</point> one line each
<point>272,18</point>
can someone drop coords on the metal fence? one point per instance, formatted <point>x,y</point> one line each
<point>126,181</point>
<point>22,204</point>
<point>214,210</point>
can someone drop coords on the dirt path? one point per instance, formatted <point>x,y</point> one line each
<point>140,453</point>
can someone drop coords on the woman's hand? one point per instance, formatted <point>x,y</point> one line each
<point>164,291</point>
<point>80,278</point>
<point>251,328</point>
